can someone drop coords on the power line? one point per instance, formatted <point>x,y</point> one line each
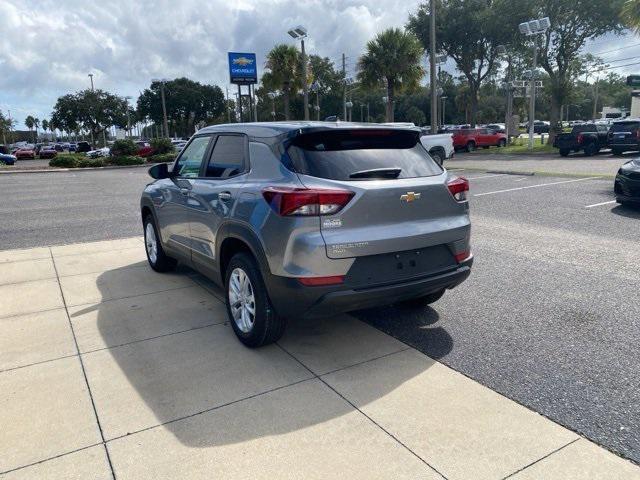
<point>622,59</point>
<point>611,68</point>
<point>617,49</point>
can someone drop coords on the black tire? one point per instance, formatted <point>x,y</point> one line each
<point>438,156</point>
<point>470,147</point>
<point>590,149</point>
<point>267,326</point>
<point>564,152</point>
<point>422,302</point>
<point>162,262</point>
<point>485,146</point>
<point>616,152</point>
<point>502,142</point>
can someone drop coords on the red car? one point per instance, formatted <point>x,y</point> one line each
<point>23,153</point>
<point>144,149</point>
<point>472,138</point>
<point>47,152</point>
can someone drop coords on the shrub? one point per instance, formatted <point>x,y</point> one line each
<point>125,160</point>
<point>164,158</point>
<point>161,146</point>
<point>122,148</point>
<point>90,163</point>
<point>64,161</point>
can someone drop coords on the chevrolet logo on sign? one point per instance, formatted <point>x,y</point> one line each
<point>242,61</point>
<point>410,197</point>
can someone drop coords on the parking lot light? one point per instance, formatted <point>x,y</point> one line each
<point>300,33</point>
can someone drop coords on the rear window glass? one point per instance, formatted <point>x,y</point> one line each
<point>584,128</point>
<point>625,126</point>
<point>362,155</point>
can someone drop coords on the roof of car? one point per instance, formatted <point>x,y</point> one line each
<point>274,129</point>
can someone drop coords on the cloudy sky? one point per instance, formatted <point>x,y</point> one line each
<point>47,47</point>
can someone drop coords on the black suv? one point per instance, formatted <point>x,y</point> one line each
<point>624,136</point>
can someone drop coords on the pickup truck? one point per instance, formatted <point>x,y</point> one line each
<point>472,138</point>
<point>588,137</point>
<point>439,145</point>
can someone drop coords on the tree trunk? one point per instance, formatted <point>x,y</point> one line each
<point>390,103</point>
<point>474,105</point>
<point>554,117</point>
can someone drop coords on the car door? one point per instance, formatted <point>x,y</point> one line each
<point>482,135</point>
<point>173,212</point>
<point>214,194</point>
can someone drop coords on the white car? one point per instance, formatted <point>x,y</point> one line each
<point>100,152</point>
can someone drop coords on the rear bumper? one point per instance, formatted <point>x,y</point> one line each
<point>292,299</point>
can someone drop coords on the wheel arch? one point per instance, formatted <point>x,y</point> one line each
<point>233,238</point>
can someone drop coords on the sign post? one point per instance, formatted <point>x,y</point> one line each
<point>243,71</point>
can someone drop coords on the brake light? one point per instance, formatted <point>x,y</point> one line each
<point>580,138</point>
<point>461,257</point>
<point>321,281</point>
<point>458,187</point>
<point>306,202</point>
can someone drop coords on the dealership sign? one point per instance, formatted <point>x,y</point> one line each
<point>242,68</point>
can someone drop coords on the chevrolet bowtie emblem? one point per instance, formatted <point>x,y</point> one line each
<point>410,197</point>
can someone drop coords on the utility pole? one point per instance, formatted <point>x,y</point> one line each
<point>305,87</point>
<point>595,100</point>
<point>164,108</point>
<point>344,91</point>
<point>432,58</point>
<point>532,92</point>
<point>228,109</point>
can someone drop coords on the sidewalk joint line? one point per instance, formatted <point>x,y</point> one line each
<point>360,411</point>
<point>64,454</point>
<point>18,367</point>
<point>84,372</point>
<point>541,458</point>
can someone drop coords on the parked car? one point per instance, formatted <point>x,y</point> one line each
<point>58,147</point>
<point>47,151</point>
<point>72,147</point>
<point>100,152</point>
<point>471,138</point>
<point>439,146</point>
<point>624,136</point>
<point>588,137</point>
<point>627,183</point>
<point>498,127</point>
<point>28,153</point>
<point>7,159</point>
<point>309,219</point>
<point>5,150</point>
<point>83,147</point>
<point>145,151</point>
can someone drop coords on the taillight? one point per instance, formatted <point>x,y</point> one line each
<point>638,134</point>
<point>462,256</point>
<point>306,201</point>
<point>580,138</point>
<point>458,187</point>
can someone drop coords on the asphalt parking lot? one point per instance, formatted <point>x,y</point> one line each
<point>548,317</point>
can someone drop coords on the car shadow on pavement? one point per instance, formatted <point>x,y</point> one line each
<point>413,326</point>
<point>627,211</point>
<point>206,388</point>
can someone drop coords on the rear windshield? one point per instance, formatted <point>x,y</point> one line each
<point>362,155</point>
<point>624,126</point>
<point>584,128</point>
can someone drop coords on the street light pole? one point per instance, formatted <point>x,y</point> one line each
<point>91,77</point>
<point>432,57</point>
<point>300,33</point>
<point>164,109</point>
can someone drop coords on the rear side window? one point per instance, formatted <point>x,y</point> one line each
<point>362,155</point>
<point>625,126</point>
<point>227,158</point>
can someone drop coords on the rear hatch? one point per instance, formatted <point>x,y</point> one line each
<point>401,200</point>
<point>624,133</point>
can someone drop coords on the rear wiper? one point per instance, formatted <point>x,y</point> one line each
<point>377,173</point>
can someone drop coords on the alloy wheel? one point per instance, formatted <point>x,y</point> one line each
<point>150,242</point>
<point>241,300</point>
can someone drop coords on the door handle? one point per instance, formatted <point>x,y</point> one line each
<point>224,195</point>
<point>184,191</point>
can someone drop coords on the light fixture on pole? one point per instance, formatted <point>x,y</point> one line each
<point>127,98</point>
<point>91,77</point>
<point>533,28</point>
<point>300,33</point>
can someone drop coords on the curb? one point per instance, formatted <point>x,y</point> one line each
<point>51,170</point>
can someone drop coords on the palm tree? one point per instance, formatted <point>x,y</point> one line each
<point>283,63</point>
<point>36,124</point>
<point>631,14</point>
<point>29,123</point>
<point>391,59</point>
<point>45,125</point>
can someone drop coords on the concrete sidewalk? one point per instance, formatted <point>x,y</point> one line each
<point>110,370</point>
<point>603,165</point>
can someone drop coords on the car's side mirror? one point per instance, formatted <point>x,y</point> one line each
<point>159,171</point>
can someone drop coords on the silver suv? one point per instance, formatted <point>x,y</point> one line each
<point>309,219</point>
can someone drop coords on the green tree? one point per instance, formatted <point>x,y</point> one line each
<point>92,110</point>
<point>283,73</point>
<point>631,14</point>
<point>188,103</point>
<point>36,125</point>
<point>6,126</point>
<point>45,125</point>
<point>469,31</point>
<point>29,122</point>
<point>573,22</point>
<point>392,60</point>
